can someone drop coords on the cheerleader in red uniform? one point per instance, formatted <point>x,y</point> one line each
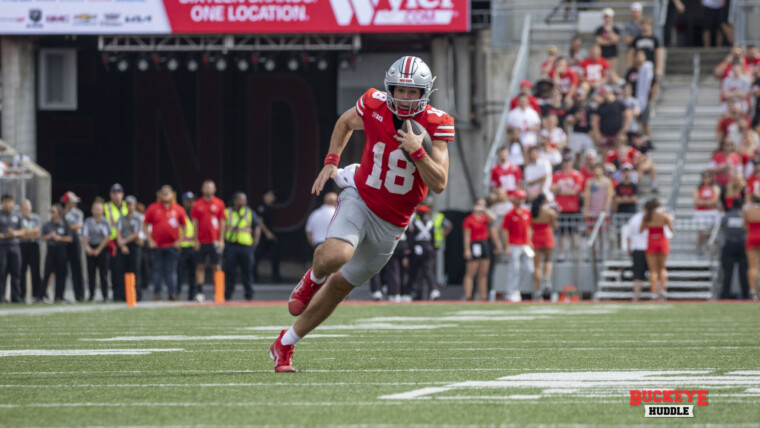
<point>706,201</point>
<point>658,247</point>
<point>544,223</point>
<point>752,224</point>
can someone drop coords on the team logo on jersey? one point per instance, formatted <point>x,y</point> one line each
<point>401,12</point>
<point>377,116</point>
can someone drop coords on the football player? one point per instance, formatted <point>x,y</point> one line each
<point>372,216</point>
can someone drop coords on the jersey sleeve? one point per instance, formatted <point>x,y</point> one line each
<point>494,177</point>
<point>182,217</point>
<point>440,125</point>
<point>373,99</point>
<point>194,212</point>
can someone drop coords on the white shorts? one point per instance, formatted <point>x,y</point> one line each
<point>580,142</point>
<point>373,239</point>
<point>705,219</point>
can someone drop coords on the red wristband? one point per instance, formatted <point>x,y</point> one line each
<point>332,159</point>
<point>418,154</point>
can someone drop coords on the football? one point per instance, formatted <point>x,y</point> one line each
<point>427,143</point>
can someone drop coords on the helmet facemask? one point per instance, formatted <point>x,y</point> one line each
<point>409,72</point>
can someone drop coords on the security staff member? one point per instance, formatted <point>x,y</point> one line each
<point>732,252</point>
<point>57,235</point>
<point>269,245</point>
<point>130,243</point>
<point>30,249</point>
<point>422,229</point>
<point>114,209</point>
<point>242,232</point>
<point>10,253</point>
<point>75,219</point>
<point>187,255</point>
<point>95,232</point>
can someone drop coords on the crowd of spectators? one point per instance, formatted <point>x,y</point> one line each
<point>731,181</point>
<point>166,244</point>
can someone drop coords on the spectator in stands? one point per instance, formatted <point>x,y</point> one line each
<point>641,77</point>
<point>637,246</point>
<point>724,68</point>
<point>675,9</point>
<point>163,224</point>
<point>538,174</point>
<point>728,125</point>
<point>706,203</point>
<point>608,37</point>
<point>557,107</point>
<point>269,246</point>
<point>732,250</point>
<point>579,118</point>
<point>567,185</point>
<point>114,209</point>
<point>505,175</point>
<point>711,10</point>
<point>597,196</point>
<point>553,127</point>
<point>95,237</point>
<point>632,28</point>
<point>595,68</point>
<point>752,56</point>
<point>543,224</point>
<point>75,220</point>
<point>57,235</point>
<point>526,87</point>
<point>587,168</point>
<point>565,79</point>
<point>724,161</point>
<point>242,233</point>
<point>319,220</point>
<point>753,181</point>
<point>749,141</point>
<point>737,86</point>
<point>423,230</point>
<point>10,253</point>
<point>30,250</point>
<point>524,123</point>
<point>547,151</point>
<point>547,66</point>
<point>186,265</point>
<point>626,192</point>
<point>518,246</point>
<point>130,244</point>
<point>208,224</point>
<point>751,216</point>
<point>632,103</point>
<point>651,46</point>
<point>656,221</point>
<point>736,188</point>
<point>477,249</point>
<point>610,120</point>
<point>576,54</point>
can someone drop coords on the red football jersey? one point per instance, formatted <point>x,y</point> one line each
<point>390,185</point>
<point>508,177</point>
<point>517,222</point>
<point>566,81</point>
<point>631,155</point>
<point>572,180</point>
<point>595,71</point>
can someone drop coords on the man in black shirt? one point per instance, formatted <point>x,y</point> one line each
<point>268,244</point>
<point>10,252</point>
<point>610,120</point>
<point>579,116</point>
<point>651,46</point>
<point>608,37</point>
<point>626,192</point>
<point>732,251</point>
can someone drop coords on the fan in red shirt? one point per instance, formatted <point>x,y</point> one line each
<point>595,67</point>
<point>729,122</point>
<point>567,185</point>
<point>506,175</point>
<point>622,154</point>
<point>525,88</point>
<point>394,176</point>
<point>587,169</point>
<point>753,182</point>
<point>208,216</point>
<point>477,249</point>
<point>518,246</point>
<point>166,219</point>
<point>724,162</point>
<point>565,79</point>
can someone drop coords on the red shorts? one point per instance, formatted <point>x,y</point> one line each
<point>752,242</point>
<point>543,237</point>
<point>658,246</point>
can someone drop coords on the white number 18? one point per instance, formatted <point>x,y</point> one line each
<point>394,171</point>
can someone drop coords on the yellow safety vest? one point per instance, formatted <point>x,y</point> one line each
<point>188,239</point>
<point>238,229</point>
<point>438,230</point>
<point>113,214</point>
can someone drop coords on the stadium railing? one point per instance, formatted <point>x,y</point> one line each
<point>24,179</point>
<point>685,134</point>
<point>519,73</point>
<point>744,15</point>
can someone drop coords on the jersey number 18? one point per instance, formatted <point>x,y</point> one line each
<point>394,170</point>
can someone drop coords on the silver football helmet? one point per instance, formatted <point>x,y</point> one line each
<point>412,72</point>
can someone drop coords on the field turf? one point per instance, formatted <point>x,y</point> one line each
<point>435,364</point>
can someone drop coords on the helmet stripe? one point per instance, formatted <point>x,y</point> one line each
<point>408,65</point>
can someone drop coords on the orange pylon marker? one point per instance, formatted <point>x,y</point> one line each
<point>219,286</point>
<point>130,292</point>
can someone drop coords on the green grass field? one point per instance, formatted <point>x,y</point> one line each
<point>432,364</point>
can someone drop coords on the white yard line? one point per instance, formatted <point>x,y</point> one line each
<point>79,352</point>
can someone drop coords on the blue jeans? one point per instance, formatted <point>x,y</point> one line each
<point>165,267</point>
